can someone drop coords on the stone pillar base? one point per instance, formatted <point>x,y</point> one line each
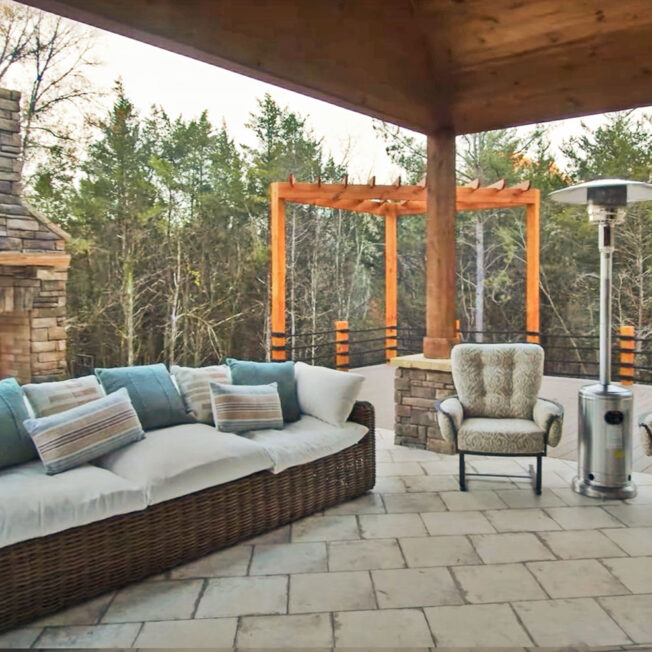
<point>419,382</point>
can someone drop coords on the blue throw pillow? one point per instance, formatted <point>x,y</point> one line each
<point>15,445</point>
<point>263,373</point>
<point>152,392</point>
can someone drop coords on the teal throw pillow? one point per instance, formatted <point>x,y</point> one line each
<point>153,394</point>
<point>263,373</point>
<point>15,445</point>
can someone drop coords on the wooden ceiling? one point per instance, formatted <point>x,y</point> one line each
<point>472,65</point>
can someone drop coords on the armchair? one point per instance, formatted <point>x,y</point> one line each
<point>645,432</point>
<point>497,410</point>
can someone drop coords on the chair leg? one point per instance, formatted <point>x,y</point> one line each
<point>539,468</point>
<point>462,473</point>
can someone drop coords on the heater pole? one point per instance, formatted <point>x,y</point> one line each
<point>606,257</point>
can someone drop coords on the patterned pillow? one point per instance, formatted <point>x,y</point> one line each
<point>86,432</point>
<point>52,398</point>
<point>246,372</point>
<point>239,408</point>
<point>193,385</point>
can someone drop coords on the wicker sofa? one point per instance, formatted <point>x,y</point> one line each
<point>47,573</point>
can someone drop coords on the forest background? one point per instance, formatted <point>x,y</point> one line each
<point>169,219</point>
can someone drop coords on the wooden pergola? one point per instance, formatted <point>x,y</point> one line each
<point>391,202</point>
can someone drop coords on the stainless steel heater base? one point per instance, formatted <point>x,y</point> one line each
<point>587,488</point>
<point>604,461</point>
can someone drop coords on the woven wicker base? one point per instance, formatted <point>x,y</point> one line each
<point>44,575</point>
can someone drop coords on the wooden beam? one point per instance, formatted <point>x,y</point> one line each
<point>391,281</point>
<point>440,245</point>
<point>19,259</point>
<point>277,263</point>
<point>532,245</point>
<point>474,185</point>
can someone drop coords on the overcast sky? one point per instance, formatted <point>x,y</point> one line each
<point>186,86</point>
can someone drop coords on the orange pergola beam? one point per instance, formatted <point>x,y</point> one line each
<point>391,202</point>
<point>532,271</point>
<point>391,283</point>
<point>277,256</point>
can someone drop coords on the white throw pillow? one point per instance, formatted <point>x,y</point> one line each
<point>326,394</point>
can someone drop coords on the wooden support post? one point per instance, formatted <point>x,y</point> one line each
<point>458,332</point>
<point>342,345</point>
<point>440,245</point>
<point>627,347</point>
<point>391,282</point>
<point>532,319</point>
<point>277,259</point>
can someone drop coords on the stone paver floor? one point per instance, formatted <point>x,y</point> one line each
<point>415,563</point>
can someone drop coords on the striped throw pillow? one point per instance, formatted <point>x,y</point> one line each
<point>193,385</point>
<point>52,398</point>
<point>239,408</point>
<point>86,432</point>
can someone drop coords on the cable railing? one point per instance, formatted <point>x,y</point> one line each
<point>567,354</point>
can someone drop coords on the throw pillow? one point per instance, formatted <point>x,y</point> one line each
<point>239,408</point>
<point>327,394</point>
<point>50,398</point>
<point>153,395</point>
<point>263,373</point>
<point>86,432</point>
<point>193,385</point>
<point>15,444</point>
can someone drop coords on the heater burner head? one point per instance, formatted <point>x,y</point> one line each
<point>611,193</point>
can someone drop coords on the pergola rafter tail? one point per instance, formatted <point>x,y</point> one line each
<point>391,202</point>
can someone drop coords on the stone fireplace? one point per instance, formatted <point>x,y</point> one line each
<point>33,269</point>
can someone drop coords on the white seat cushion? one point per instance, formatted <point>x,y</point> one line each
<point>513,436</point>
<point>306,440</point>
<point>179,460</point>
<point>34,504</point>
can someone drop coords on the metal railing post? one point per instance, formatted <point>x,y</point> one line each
<point>278,351</point>
<point>627,347</point>
<point>342,345</point>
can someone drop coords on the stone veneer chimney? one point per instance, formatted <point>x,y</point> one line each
<point>33,269</point>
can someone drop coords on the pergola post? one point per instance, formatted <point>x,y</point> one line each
<point>277,263</point>
<point>391,282</point>
<point>440,245</point>
<point>532,244</point>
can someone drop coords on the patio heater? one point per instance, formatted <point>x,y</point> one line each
<point>604,462</point>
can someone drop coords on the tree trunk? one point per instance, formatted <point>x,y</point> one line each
<point>479,278</point>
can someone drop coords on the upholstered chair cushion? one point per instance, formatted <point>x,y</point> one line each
<point>450,415</point>
<point>505,436</point>
<point>549,415</point>
<point>645,432</point>
<point>497,380</point>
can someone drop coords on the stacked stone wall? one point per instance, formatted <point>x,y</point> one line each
<point>416,391</point>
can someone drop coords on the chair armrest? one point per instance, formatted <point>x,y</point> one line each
<point>364,413</point>
<point>549,416</point>
<point>645,432</point>
<point>450,415</point>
